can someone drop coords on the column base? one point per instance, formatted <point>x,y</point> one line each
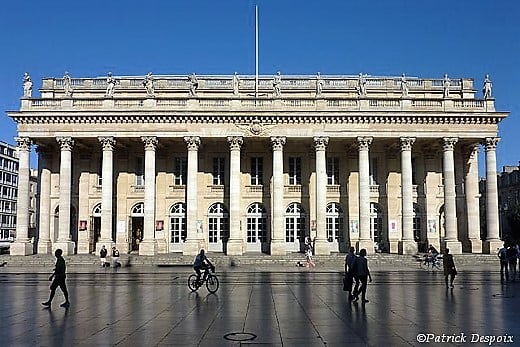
<point>321,247</point>
<point>190,247</point>
<point>454,246</point>
<point>66,246</point>
<point>408,247</point>
<point>21,248</point>
<point>475,246</point>
<point>235,247</point>
<point>162,248</point>
<point>278,248</point>
<point>492,246</point>
<point>44,247</point>
<point>368,245</point>
<point>394,246</point>
<point>148,247</point>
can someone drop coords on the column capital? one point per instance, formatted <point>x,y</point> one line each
<point>448,143</point>
<point>364,142</point>
<point>277,142</point>
<point>24,143</point>
<point>235,142</point>
<point>150,142</point>
<point>107,142</point>
<point>320,143</point>
<point>491,143</point>
<point>193,142</point>
<point>406,143</point>
<point>66,142</point>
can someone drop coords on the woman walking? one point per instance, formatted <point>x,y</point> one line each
<point>449,268</point>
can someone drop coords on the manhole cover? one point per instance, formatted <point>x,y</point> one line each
<point>240,336</point>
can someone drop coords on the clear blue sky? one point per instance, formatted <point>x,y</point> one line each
<point>132,37</point>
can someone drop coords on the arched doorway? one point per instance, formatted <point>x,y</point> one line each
<point>295,229</point>
<point>256,228</point>
<point>218,227</point>
<point>136,226</point>
<point>334,226</point>
<point>95,226</point>
<point>177,226</point>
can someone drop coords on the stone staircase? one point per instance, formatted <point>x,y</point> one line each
<point>335,260</point>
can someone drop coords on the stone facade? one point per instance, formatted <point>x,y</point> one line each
<point>170,165</point>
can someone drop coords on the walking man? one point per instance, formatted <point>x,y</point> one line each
<point>350,259</point>
<point>449,268</point>
<point>103,256</point>
<point>362,274</point>
<point>502,255</point>
<point>58,280</point>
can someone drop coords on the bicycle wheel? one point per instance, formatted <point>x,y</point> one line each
<point>192,282</point>
<point>212,284</point>
<point>424,264</point>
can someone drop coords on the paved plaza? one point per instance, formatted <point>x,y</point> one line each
<point>269,305</point>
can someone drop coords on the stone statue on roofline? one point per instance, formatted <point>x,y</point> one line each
<point>67,85</point>
<point>319,84</point>
<point>277,82</point>
<point>362,85</point>
<point>446,84</point>
<point>111,85</point>
<point>404,86</point>
<point>236,83</point>
<point>27,86</point>
<point>486,89</point>
<point>194,84</point>
<point>148,85</point>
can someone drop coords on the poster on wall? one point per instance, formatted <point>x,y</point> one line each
<point>82,225</point>
<point>199,226</point>
<point>159,225</point>
<point>121,226</point>
<point>393,226</point>
<point>354,226</point>
<point>432,225</point>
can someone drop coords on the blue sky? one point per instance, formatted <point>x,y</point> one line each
<point>132,37</point>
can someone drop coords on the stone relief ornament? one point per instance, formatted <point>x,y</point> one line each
<point>255,128</point>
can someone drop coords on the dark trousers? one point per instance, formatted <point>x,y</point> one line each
<point>349,281</point>
<point>504,269</point>
<point>363,288</point>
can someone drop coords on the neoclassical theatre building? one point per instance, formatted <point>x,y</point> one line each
<point>236,164</point>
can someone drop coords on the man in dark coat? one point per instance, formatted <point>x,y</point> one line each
<point>58,280</point>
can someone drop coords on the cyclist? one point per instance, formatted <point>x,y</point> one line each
<point>202,263</point>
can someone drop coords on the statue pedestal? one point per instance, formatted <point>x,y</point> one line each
<point>366,244</point>
<point>408,247</point>
<point>454,246</point>
<point>321,247</point>
<point>492,246</point>
<point>66,246</point>
<point>44,247</point>
<point>148,247</point>
<point>278,248</point>
<point>235,247</point>
<point>21,248</point>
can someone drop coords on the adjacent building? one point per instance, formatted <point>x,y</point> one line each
<point>9,191</point>
<point>239,164</point>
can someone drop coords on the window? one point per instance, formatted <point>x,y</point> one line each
<point>256,223</point>
<point>218,171</point>
<point>257,171</point>
<point>332,170</point>
<point>334,223</point>
<point>373,172</point>
<point>294,223</point>
<point>178,223</point>
<point>376,222</point>
<point>417,223</point>
<point>218,223</point>
<point>295,171</point>
<point>180,171</point>
<point>100,172</point>
<point>139,171</point>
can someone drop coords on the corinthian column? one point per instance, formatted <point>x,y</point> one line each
<point>492,241</point>
<point>235,243</point>
<point>472,200</point>
<point>64,242</point>
<point>149,245</point>
<point>44,234</point>
<point>191,246</point>
<point>277,220</point>
<point>450,208</point>
<point>408,244</point>
<point>321,245</point>
<point>22,246</point>
<point>107,174</point>
<point>364,195</point>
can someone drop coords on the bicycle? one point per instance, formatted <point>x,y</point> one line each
<point>211,280</point>
<point>430,263</point>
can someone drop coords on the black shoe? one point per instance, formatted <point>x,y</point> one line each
<point>65,304</point>
<point>46,303</point>
<point>364,300</point>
